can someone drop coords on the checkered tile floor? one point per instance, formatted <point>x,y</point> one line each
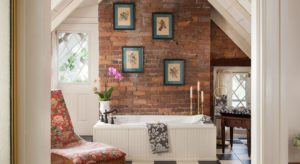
<point>238,155</point>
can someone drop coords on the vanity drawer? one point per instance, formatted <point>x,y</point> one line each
<point>247,124</point>
<point>234,123</point>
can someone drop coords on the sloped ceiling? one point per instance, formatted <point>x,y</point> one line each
<point>234,18</point>
<point>61,9</point>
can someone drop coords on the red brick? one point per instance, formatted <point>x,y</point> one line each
<point>222,46</point>
<point>139,102</point>
<point>144,93</point>
<point>139,93</point>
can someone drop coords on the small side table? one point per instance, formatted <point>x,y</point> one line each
<point>238,122</point>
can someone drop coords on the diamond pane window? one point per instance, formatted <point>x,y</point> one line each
<point>73,57</point>
<point>239,90</point>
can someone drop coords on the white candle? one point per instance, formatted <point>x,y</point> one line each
<point>198,86</point>
<point>191,92</point>
<point>202,97</point>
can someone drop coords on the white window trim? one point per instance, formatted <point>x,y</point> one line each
<point>89,58</point>
<point>231,69</point>
<point>247,92</point>
<point>93,48</point>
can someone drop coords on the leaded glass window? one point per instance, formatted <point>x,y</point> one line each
<point>73,57</point>
<point>239,93</point>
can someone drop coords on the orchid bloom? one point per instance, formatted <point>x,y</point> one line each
<point>112,73</point>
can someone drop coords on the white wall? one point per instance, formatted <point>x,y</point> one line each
<point>82,103</point>
<point>86,14</point>
<point>54,3</point>
<point>290,71</point>
<point>4,83</point>
<point>34,56</point>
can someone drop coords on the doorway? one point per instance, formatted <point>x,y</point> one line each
<point>74,70</point>
<point>34,89</point>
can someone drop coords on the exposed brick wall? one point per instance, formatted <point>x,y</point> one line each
<point>222,47</point>
<point>144,93</point>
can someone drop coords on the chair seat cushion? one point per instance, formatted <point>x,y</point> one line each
<point>90,152</point>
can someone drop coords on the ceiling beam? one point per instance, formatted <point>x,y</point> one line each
<point>232,33</point>
<point>230,19</point>
<point>238,5</point>
<point>237,62</point>
<point>59,8</point>
<point>65,13</point>
<point>246,4</point>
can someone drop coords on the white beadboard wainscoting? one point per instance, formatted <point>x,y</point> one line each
<point>187,141</point>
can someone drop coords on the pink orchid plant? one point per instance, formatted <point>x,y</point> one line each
<point>111,75</point>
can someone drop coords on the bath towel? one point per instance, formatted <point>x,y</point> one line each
<point>158,137</point>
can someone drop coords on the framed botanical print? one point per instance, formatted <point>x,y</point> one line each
<point>132,59</point>
<point>174,71</point>
<point>124,16</point>
<point>162,26</point>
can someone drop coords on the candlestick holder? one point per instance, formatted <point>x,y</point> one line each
<point>202,108</point>
<point>198,102</point>
<point>191,106</point>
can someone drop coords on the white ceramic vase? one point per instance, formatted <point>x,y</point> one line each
<point>104,106</point>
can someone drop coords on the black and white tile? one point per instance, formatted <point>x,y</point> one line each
<point>87,138</point>
<point>238,155</point>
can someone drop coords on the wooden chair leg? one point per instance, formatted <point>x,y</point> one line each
<point>249,141</point>
<point>231,137</point>
<point>223,134</point>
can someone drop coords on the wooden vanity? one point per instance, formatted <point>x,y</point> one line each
<point>235,122</point>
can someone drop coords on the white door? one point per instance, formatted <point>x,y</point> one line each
<point>76,57</point>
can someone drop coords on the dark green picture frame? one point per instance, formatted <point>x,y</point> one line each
<point>177,71</point>
<point>169,27</point>
<point>118,17</point>
<point>138,64</point>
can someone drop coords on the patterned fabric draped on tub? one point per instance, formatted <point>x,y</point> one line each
<point>158,137</point>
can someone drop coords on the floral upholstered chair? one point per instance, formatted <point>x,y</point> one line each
<point>68,148</point>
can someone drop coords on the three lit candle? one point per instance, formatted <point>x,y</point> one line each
<point>198,89</point>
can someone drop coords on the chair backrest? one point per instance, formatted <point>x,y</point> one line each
<point>62,131</point>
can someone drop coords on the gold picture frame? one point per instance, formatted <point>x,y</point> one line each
<point>13,81</point>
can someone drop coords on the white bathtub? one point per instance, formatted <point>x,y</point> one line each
<point>189,138</point>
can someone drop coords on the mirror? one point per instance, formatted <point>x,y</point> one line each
<point>5,139</point>
<point>7,82</point>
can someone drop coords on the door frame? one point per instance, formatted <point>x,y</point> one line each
<point>33,81</point>
<point>268,119</point>
<point>83,90</point>
<point>269,140</point>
